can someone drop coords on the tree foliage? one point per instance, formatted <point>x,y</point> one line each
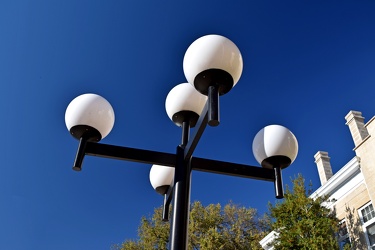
<point>303,222</point>
<point>211,228</point>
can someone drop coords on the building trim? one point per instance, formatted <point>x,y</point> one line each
<point>346,173</point>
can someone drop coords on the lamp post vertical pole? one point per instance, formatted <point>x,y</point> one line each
<point>181,198</point>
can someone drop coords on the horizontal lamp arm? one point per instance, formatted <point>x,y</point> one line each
<point>167,159</point>
<point>233,169</point>
<point>130,154</point>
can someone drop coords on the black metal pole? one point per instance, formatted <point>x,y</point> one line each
<point>278,183</point>
<point>181,202</point>
<point>77,166</point>
<point>181,195</point>
<point>165,214</point>
<point>213,106</point>
<point>185,133</point>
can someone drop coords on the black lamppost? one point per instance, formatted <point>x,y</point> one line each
<point>212,66</point>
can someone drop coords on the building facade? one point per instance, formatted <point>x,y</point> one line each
<point>351,189</point>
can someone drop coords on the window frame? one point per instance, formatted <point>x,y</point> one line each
<point>366,224</point>
<point>342,238</point>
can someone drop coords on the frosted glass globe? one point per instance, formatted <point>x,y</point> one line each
<point>90,110</point>
<point>184,97</point>
<point>161,176</point>
<point>275,140</point>
<point>212,52</point>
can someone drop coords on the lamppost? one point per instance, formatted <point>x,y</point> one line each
<point>212,66</point>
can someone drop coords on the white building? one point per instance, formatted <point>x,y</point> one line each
<point>352,188</point>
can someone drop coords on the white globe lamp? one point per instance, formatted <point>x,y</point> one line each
<point>213,60</point>
<point>275,146</point>
<point>184,103</point>
<point>91,116</point>
<point>161,178</point>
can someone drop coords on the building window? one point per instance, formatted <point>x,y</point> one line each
<point>343,235</point>
<point>371,235</point>
<point>367,215</point>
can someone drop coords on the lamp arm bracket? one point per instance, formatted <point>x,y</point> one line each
<point>197,133</point>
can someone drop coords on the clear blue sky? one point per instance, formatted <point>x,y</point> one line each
<point>306,64</point>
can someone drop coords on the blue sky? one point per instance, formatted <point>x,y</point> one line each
<point>306,64</point>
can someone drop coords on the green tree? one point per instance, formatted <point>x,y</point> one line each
<point>211,228</point>
<point>303,222</point>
